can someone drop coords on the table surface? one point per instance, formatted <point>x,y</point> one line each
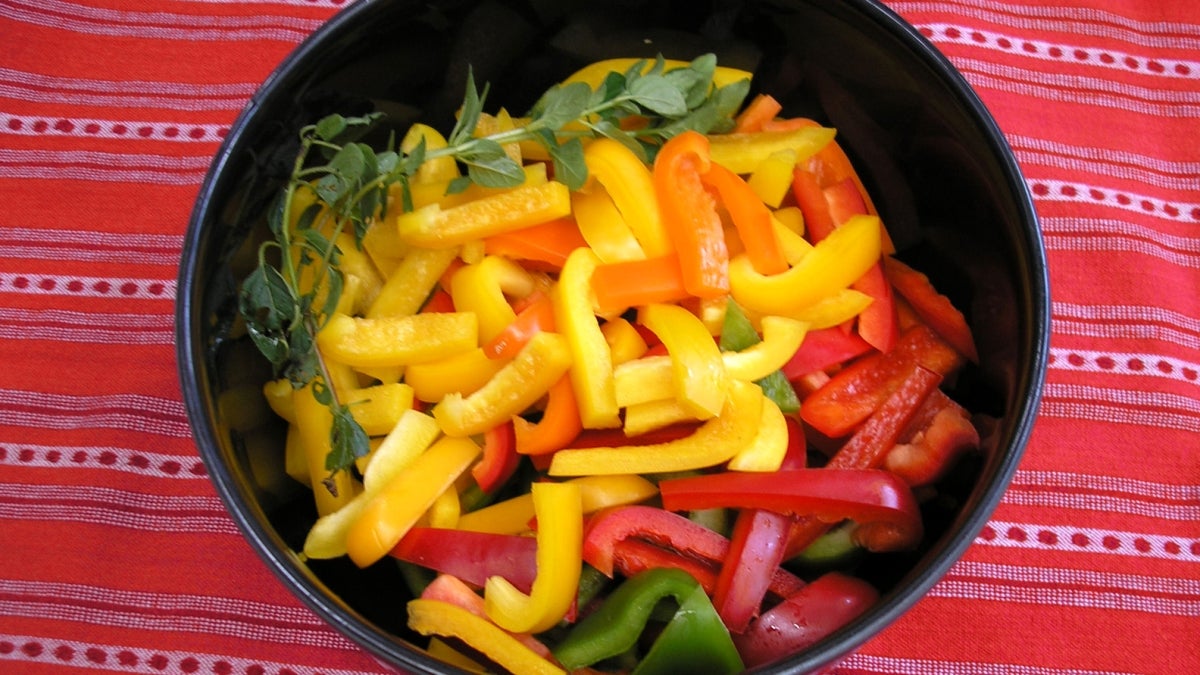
<point>116,554</point>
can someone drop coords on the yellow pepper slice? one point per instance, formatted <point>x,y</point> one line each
<point>525,206</point>
<point>379,407</point>
<point>424,194</point>
<point>314,422</point>
<point>591,368</point>
<point>398,505</point>
<point>716,441</point>
<point>518,385</point>
<point>411,436</point>
<point>793,245</point>
<point>603,227</point>
<point>792,218</point>
<point>835,309</point>
<point>743,153</point>
<point>483,288</point>
<point>279,397</point>
<point>781,337</point>
<point>446,509</point>
<point>767,451</point>
<point>628,182</point>
<point>398,340</point>
<point>513,516</point>
<point>295,456</point>
<point>559,514</point>
<point>439,169</point>
<point>414,278</point>
<point>646,416</point>
<point>834,263</point>
<point>772,178</point>
<point>649,378</point>
<point>436,617</point>
<point>593,74</point>
<point>696,365</point>
<point>461,373</point>
<point>624,341</point>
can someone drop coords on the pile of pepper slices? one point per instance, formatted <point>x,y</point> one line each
<point>570,392</point>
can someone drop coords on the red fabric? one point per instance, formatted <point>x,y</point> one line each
<point>116,555</point>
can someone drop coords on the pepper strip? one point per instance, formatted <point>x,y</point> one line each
<point>483,288</point>
<point>591,368</point>
<point>436,617</point>
<point>559,512</point>
<point>697,370</point>
<point>631,187</point>
<point>716,441</point>
<point>880,503</point>
<point>742,153</point>
<point>689,214</point>
<point>750,216</point>
<point>525,206</point>
<point>518,385</point>
<point>558,426</point>
<point>694,640</point>
<point>399,340</point>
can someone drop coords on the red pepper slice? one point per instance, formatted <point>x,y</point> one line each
<point>500,458</point>
<point>858,389</point>
<point>818,222</point>
<point>828,603</point>
<point>471,556</point>
<point>884,428</point>
<point>928,453</point>
<point>880,503</point>
<point>439,301</point>
<point>823,349</point>
<point>877,324</point>
<point>932,307</point>
<point>676,534</point>
<point>755,550</point>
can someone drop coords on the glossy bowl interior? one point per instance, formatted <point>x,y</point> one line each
<point>943,178</point>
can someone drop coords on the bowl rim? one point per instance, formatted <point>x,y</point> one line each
<point>393,651</point>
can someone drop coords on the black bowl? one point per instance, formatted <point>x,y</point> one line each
<point>942,175</point>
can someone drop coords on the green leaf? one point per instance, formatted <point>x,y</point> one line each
<point>488,165</point>
<point>334,283</point>
<point>569,166</point>
<point>348,441</point>
<point>563,105</point>
<point>350,164</point>
<point>468,116</point>
<point>269,307</point>
<point>329,127</point>
<point>458,185</point>
<point>609,129</point>
<point>657,94</point>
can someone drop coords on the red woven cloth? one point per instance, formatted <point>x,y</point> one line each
<point>116,554</point>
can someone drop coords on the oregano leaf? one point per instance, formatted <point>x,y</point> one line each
<point>657,94</point>
<point>330,126</point>
<point>569,165</point>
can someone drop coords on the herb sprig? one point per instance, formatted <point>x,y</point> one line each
<point>343,185</point>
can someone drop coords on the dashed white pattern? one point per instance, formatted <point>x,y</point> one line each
<point>1082,193</point>
<point>179,132</point>
<point>1089,540</point>
<point>87,287</point>
<point>1050,51</point>
<point>101,458</point>
<point>1117,363</point>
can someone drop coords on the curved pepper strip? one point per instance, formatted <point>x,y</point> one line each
<point>694,640</point>
<point>483,288</point>
<point>559,511</point>
<point>697,370</point>
<point>603,226</point>
<point>835,262</point>
<point>513,516</point>
<point>437,617</point>
<point>880,502</point>
<point>518,385</point>
<point>690,216</point>
<point>716,441</point>
<point>750,216</point>
<point>535,317</point>
<point>591,368</point>
<point>461,373</point>
<point>630,185</point>
<point>500,458</point>
<point>558,426</point>
<point>742,153</point>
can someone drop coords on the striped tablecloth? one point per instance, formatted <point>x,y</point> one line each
<point>116,555</point>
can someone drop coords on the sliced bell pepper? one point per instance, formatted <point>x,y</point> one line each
<point>882,504</point>
<point>535,317</point>
<point>624,340</point>
<point>558,426</point>
<point>772,179</point>
<point>694,640</point>
<point>747,357</point>
<point>484,289</point>
<point>559,512</point>
<point>834,263</point>
<point>514,515</point>
<point>935,309</point>
<point>689,214</point>
<point>875,437</point>
<point>397,340</point>
<point>858,389</point>
<point>377,408</point>
<point>630,185</point>
<point>603,226</point>
<point>433,170</point>
<point>756,549</point>
<point>451,589</point>
<point>437,617</point>
<point>697,369</point>
<point>716,441</point>
<point>549,243</point>
<point>414,278</point>
<point>594,73</point>
<point>463,373</point>
<point>760,109</point>
<point>434,227</point>
<point>518,385</point>
<point>828,603</point>
<point>810,198</point>
<point>398,505</point>
<point>633,283</point>
<point>500,458</point>
<point>591,367</point>
<point>750,216</point>
<point>926,456</point>
<point>770,446</point>
<point>313,423</point>
<point>822,349</point>
<point>877,322</point>
<point>742,153</point>
<point>472,557</point>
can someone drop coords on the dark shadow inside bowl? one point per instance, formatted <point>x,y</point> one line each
<point>939,170</point>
